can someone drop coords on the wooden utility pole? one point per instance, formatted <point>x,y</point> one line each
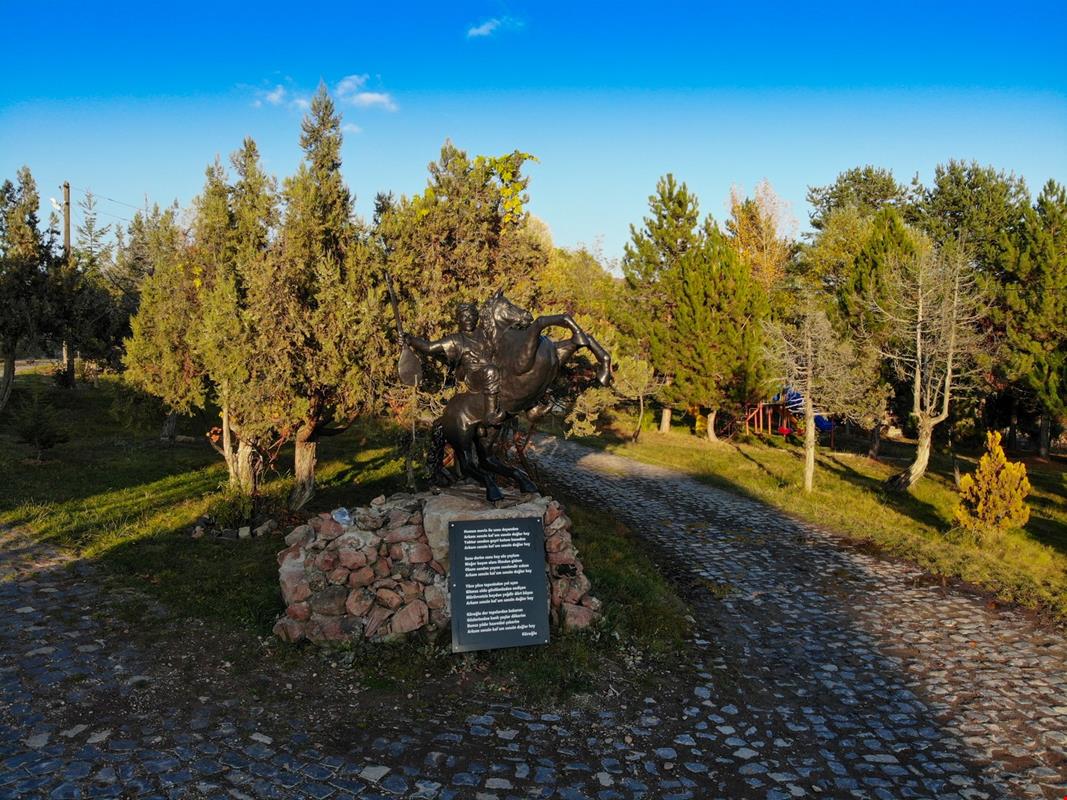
<point>68,351</point>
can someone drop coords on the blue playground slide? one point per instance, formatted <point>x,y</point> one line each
<point>794,401</point>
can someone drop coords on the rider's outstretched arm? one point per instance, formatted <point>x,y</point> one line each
<point>444,348</point>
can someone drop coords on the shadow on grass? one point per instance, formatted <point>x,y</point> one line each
<point>902,502</point>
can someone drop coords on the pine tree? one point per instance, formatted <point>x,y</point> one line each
<point>864,190</point>
<point>716,337</point>
<point>1035,307</point>
<point>650,266</point>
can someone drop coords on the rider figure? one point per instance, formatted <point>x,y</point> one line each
<point>471,355</point>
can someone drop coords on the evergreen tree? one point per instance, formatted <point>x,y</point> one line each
<point>651,268</point>
<point>23,286</point>
<point>161,356</point>
<point>322,357</point>
<point>1035,305</point>
<point>865,190</point>
<point>716,336</point>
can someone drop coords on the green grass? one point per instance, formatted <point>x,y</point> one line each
<point>115,495</point>
<point>1028,567</point>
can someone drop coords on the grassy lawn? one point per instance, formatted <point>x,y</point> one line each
<point>1028,567</point>
<point>116,495</point>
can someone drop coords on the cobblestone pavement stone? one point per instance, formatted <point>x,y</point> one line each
<point>820,672</point>
<point>898,688</point>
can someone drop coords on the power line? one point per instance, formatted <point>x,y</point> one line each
<point>109,199</point>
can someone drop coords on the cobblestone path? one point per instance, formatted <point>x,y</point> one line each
<point>850,669</point>
<point>820,672</point>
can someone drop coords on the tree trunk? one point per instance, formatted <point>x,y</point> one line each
<point>247,468</point>
<point>876,440</point>
<point>170,425</point>
<point>303,470</point>
<point>640,418</point>
<point>911,475</point>
<point>68,363</point>
<point>665,420</point>
<point>711,425</point>
<point>1044,439</point>
<point>809,441</point>
<point>1013,435</point>
<point>8,379</point>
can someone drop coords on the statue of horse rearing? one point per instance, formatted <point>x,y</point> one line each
<point>528,363</point>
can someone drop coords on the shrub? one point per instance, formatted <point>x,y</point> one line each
<point>993,498</point>
<point>37,424</point>
<point>231,508</point>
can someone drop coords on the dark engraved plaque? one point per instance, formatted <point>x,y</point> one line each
<point>499,585</point>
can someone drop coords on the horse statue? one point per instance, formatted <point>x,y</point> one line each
<point>525,364</point>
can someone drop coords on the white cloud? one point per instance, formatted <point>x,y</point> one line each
<point>381,100</point>
<point>275,96</point>
<point>485,29</point>
<point>349,85</point>
<point>351,127</point>
<point>491,26</point>
<point>300,102</point>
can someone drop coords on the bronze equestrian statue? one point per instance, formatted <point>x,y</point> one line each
<point>508,366</point>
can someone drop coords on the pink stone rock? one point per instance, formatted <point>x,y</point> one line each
<point>436,597</point>
<point>411,617</point>
<point>436,567</point>
<point>409,533</point>
<point>289,630</point>
<point>561,523</point>
<point>577,617</point>
<point>552,512</point>
<point>396,552</point>
<point>410,590</point>
<point>566,556</point>
<point>326,560</point>
<point>369,520</point>
<point>422,573</point>
<point>378,501</point>
<point>338,576</point>
<point>361,577</point>
<point>382,567</point>
<point>299,611</point>
<point>330,602</point>
<point>330,529</point>
<point>418,553</point>
<point>375,619</point>
<point>351,559</point>
<point>385,583</point>
<point>575,588</point>
<point>295,586</point>
<point>415,519</point>
<point>359,602</point>
<point>558,542</point>
<point>299,535</point>
<point>290,553</point>
<point>389,598</point>
<point>397,518</point>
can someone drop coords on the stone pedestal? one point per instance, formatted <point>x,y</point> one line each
<point>385,576</point>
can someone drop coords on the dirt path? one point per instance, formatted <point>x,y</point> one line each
<point>887,682</point>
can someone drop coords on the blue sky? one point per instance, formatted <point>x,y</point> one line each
<point>135,99</point>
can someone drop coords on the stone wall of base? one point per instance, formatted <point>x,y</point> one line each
<point>385,575</point>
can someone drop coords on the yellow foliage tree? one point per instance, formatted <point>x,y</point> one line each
<point>993,498</point>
